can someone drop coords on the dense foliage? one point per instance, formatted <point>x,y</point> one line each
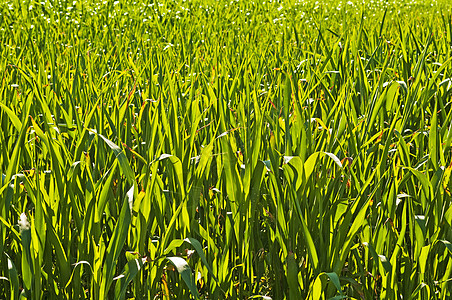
<point>213,149</point>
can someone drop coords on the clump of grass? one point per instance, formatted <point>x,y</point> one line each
<point>203,149</point>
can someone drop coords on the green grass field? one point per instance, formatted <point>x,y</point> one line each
<point>225,150</point>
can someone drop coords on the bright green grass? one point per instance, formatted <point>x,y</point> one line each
<point>218,150</point>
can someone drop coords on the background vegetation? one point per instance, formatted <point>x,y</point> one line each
<point>204,149</point>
